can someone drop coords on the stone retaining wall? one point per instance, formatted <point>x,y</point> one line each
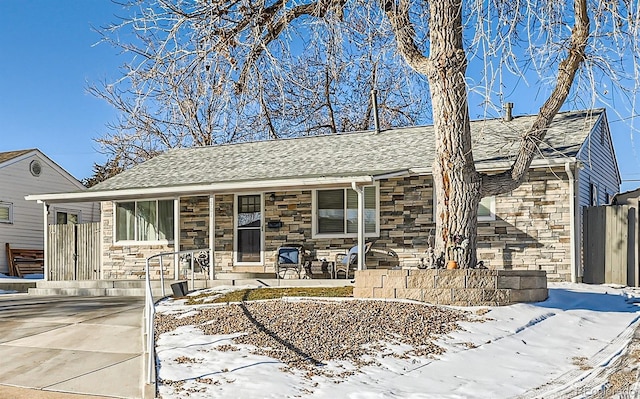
<point>462,287</point>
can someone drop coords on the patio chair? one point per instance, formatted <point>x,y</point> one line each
<point>349,262</point>
<point>289,257</point>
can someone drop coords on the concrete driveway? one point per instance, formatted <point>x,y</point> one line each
<point>83,345</point>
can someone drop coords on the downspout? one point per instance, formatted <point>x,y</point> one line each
<point>212,235</point>
<point>572,223</point>
<point>360,192</point>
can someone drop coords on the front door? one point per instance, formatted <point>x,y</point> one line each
<point>249,229</point>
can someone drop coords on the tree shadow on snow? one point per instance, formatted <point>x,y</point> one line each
<point>613,300</point>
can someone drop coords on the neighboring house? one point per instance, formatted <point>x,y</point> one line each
<point>254,197</point>
<point>22,222</point>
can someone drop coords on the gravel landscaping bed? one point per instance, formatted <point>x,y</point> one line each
<point>305,334</point>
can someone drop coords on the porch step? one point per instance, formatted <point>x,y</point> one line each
<point>17,286</point>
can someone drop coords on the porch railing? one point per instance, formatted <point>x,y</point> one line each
<point>192,256</point>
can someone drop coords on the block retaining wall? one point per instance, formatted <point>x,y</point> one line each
<point>462,287</point>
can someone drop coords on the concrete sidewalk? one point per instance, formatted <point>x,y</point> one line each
<point>89,346</point>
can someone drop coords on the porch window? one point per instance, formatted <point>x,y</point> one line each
<point>144,220</point>
<point>337,211</point>
<point>6,212</point>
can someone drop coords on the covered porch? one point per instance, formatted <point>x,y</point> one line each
<point>241,226</point>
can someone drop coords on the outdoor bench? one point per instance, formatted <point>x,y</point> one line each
<point>24,261</point>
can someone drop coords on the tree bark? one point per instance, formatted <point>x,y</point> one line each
<point>458,186</point>
<point>456,182</point>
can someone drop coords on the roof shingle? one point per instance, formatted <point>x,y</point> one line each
<point>347,154</point>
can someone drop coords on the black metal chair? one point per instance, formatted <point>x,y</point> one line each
<point>289,257</point>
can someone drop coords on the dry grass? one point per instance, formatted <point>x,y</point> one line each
<point>256,294</point>
<point>581,362</point>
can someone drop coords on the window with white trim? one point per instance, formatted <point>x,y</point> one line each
<point>593,192</point>
<point>486,208</point>
<point>336,212</point>
<point>67,217</point>
<point>6,212</point>
<point>150,220</point>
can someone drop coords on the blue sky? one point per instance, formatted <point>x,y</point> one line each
<point>48,57</point>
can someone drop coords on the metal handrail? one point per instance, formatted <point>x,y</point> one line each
<point>150,307</point>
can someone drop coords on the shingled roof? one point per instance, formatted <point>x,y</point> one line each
<point>495,142</point>
<point>9,155</point>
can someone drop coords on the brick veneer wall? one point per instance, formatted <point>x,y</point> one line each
<point>461,287</point>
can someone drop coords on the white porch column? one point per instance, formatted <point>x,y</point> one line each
<point>212,235</point>
<point>45,212</point>
<point>176,239</point>
<point>360,191</point>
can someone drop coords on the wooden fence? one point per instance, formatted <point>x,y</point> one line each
<point>73,252</point>
<point>610,235</point>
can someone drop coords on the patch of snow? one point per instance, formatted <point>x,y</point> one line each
<point>526,350</point>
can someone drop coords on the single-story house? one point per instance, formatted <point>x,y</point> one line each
<point>22,222</point>
<point>242,201</point>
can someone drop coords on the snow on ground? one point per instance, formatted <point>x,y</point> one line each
<point>522,350</point>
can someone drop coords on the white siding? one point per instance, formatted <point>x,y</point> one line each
<point>27,228</point>
<point>599,166</point>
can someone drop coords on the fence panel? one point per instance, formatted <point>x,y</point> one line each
<point>60,252</point>
<point>73,252</point>
<point>88,251</point>
<point>607,248</point>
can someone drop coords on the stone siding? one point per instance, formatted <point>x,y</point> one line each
<point>124,262</point>
<point>469,287</point>
<point>194,222</point>
<point>531,230</point>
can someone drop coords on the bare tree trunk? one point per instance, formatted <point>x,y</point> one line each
<point>456,182</point>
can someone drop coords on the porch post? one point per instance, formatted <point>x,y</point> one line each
<point>176,240</point>
<point>212,235</point>
<point>360,191</point>
<point>45,211</point>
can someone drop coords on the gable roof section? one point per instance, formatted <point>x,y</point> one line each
<point>601,127</point>
<point>495,142</point>
<point>9,155</point>
<point>315,160</point>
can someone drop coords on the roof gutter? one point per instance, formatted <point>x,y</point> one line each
<point>134,193</point>
<point>505,165</point>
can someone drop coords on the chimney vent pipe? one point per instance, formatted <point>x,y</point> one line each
<point>508,112</point>
<point>374,106</point>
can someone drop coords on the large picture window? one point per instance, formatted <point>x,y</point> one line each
<point>6,212</point>
<point>337,211</point>
<point>144,220</point>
